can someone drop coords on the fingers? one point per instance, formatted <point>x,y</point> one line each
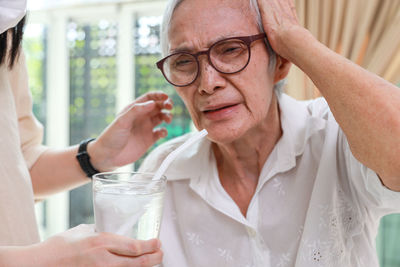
<point>161,117</point>
<point>166,116</point>
<point>280,22</point>
<point>129,247</point>
<point>150,107</point>
<point>159,133</point>
<point>149,110</point>
<point>134,111</point>
<point>124,251</point>
<point>162,99</point>
<point>82,246</point>
<point>278,11</point>
<point>161,104</point>
<point>156,96</point>
<point>146,260</point>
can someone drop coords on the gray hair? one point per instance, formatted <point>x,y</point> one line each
<point>172,5</point>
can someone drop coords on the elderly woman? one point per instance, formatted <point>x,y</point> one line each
<point>277,182</point>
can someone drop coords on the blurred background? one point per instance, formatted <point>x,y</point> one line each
<point>87,59</point>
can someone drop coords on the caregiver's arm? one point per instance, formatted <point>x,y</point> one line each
<point>124,141</point>
<point>366,106</point>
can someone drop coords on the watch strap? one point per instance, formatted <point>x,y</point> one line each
<point>84,159</point>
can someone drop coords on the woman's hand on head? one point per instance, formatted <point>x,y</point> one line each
<point>82,246</point>
<point>132,133</point>
<point>280,21</point>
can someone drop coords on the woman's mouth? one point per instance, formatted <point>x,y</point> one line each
<point>220,112</point>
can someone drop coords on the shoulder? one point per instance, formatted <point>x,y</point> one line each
<point>188,164</point>
<point>303,109</point>
<point>305,117</point>
<point>154,159</point>
<point>318,107</point>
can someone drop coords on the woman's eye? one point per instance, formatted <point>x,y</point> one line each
<point>183,62</point>
<point>231,49</point>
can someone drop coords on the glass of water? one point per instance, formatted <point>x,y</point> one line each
<point>128,203</point>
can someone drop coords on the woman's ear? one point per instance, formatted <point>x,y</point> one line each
<point>282,68</point>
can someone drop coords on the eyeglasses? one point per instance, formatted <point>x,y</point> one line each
<point>227,56</point>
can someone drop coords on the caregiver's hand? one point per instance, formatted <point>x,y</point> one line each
<point>82,246</point>
<point>133,131</point>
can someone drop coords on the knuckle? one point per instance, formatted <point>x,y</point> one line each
<point>97,241</point>
<point>135,248</point>
<point>144,260</point>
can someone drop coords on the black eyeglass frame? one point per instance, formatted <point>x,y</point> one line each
<point>248,40</point>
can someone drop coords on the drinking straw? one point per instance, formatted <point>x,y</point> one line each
<point>168,160</point>
<point>157,176</point>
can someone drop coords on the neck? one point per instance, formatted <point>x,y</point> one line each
<point>240,162</point>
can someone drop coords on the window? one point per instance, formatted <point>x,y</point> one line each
<point>93,82</point>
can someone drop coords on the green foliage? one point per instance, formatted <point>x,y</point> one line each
<point>92,79</point>
<point>388,244</point>
<point>93,83</point>
<point>149,78</point>
<point>35,51</point>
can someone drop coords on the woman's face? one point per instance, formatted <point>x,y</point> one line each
<point>226,105</point>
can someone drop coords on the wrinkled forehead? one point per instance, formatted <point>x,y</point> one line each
<point>209,18</point>
<point>243,5</point>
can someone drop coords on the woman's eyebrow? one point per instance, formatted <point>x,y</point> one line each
<point>180,49</point>
<point>185,48</point>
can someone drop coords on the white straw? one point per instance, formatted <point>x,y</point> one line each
<point>131,221</point>
<point>168,160</point>
<point>127,226</point>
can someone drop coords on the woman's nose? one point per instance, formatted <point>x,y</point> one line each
<point>209,78</point>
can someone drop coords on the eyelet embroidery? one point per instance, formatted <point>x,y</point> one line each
<point>339,222</point>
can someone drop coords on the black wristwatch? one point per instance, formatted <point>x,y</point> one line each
<point>84,158</point>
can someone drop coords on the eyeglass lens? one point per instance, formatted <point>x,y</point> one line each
<point>227,56</point>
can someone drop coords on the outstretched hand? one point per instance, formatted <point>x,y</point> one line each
<point>82,246</point>
<point>279,20</point>
<point>132,133</point>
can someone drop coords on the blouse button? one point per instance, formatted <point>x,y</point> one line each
<point>252,233</point>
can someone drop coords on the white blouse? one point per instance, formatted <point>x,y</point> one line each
<point>315,204</point>
<point>20,146</point>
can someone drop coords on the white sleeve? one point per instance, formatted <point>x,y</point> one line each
<point>30,129</point>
